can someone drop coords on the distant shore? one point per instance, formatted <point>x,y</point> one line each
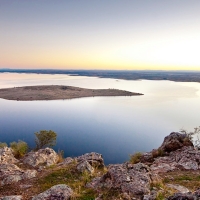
<point>55,92</point>
<point>178,76</point>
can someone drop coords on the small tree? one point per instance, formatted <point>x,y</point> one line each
<point>45,138</point>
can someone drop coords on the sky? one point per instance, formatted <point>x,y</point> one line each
<point>100,34</point>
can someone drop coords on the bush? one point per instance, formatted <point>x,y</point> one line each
<point>60,156</point>
<point>3,144</point>
<point>193,136</point>
<point>19,148</point>
<point>135,158</point>
<point>45,138</point>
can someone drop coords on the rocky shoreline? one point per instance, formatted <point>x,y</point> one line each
<point>86,177</point>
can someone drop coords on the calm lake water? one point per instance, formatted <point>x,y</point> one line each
<point>113,126</point>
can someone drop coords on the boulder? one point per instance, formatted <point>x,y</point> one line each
<point>66,161</point>
<point>85,166</point>
<point>94,159</point>
<point>57,192</point>
<point>14,197</point>
<point>133,180</point>
<point>179,188</point>
<point>10,173</point>
<point>6,156</point>
<point>45,157</point>
<point>175,141</point>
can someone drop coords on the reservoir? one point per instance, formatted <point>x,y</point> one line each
<point>116,127</point>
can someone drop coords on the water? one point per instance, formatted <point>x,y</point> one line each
<point>113,126</point>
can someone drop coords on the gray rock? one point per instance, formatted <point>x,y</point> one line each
<point>179,188</point>
<point>6,156</point>
<point>186,158</point>
<point>66,161</point>
<point>14,197</point>
<point>175,141</point>
<point>85,166</point>
<point>181,196</point>
<point>146,157</point>
<point>57,192</point>
<point>94,159</point>
<point>134,180</point>
<point>10,173</point>
<point>45,156</point>
<point>185,196</point>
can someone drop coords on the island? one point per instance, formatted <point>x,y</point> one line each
<point>55,92</point>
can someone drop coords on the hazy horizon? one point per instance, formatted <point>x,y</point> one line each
<point>100,35</point>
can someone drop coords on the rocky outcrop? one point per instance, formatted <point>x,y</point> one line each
<point>6,156</point>
<point>129,179</point>
<point>171,143</point>
<point>45,157</point>
<point>57,192</point>
<point>186,196</point>
<point>86,162</point>
<point>10,173</point>
<point>175,141</point>
<point>94,159</point>
<point>186,158</point>
<point>14,197</point>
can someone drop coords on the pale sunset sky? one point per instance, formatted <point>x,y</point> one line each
<point>100,34</point>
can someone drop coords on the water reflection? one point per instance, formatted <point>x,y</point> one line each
<point>113,126</point>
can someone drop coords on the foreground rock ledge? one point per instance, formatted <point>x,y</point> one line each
<point>53,92</point>
<point>128,180</point>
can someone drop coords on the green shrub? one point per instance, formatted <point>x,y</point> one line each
<point>45,138</point>
<point>19,148</point>
<point>135,158</point>
<point>3,144</point>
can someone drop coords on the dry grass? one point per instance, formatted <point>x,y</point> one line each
<point>187,178</point>
<point>135,158</point>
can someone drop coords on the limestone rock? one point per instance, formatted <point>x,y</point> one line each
<point>57,192</point>
<point>10,173</point>
<point>186,158</point>
<point>66,161</point>
<point>14,197</point>
<point>185,196</point>
<point>6,156</point>
<point>45,156</point>
<point>133,180</point>
<point>175,141</point>
<point>181,196</point>
<point>147,157</point>
<point>179,188</point>
<point>94,159</point>
<point>85,166</point>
